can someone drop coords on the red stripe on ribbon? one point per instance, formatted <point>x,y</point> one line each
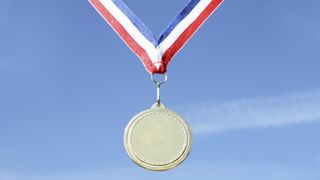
<point>122,32</point>
<point>183,38</point>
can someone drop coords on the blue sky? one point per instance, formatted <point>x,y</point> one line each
<point>248,83</point>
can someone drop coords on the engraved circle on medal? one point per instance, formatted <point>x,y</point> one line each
<point>157,139</point>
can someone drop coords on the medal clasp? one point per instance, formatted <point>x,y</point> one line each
<point>159,83</point>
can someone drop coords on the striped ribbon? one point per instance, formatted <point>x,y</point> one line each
<point>155,53</point>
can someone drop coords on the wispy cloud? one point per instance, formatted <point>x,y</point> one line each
<point>210,117</point>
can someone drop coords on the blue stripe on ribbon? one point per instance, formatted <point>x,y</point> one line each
<point>178,19</point>
<point>146,32</point>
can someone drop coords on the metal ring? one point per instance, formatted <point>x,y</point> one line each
<point>165,78</point>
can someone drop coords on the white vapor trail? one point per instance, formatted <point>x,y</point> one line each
<point>274,111</point>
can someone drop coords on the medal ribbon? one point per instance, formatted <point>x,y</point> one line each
<point>155,53</point>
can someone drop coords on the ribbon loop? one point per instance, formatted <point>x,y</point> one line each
<point>154,53</point>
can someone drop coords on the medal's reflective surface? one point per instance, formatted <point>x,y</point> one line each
<point>157,139</point>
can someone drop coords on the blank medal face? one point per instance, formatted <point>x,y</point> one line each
<point>158,139</point>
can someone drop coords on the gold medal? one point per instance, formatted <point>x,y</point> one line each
<point>157,139</point>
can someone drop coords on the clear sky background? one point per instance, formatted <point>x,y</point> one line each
<point>248,82</point>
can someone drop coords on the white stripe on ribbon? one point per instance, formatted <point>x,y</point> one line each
<point>132,30</point>
<point>183,25</point>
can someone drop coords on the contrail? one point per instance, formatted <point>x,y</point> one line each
<point>210,117</point>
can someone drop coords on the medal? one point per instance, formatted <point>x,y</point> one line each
<point>158,138</point>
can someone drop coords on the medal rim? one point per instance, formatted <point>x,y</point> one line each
<point>154,167</point>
